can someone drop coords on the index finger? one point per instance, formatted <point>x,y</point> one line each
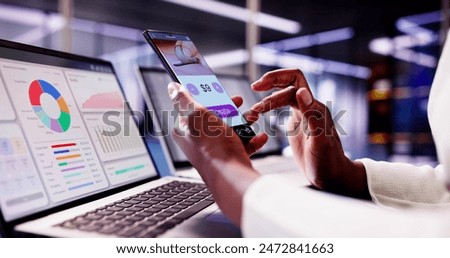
<point>281,98</point>
<point>281,78</point>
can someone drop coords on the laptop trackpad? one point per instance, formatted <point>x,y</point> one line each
<point>208,223</point>
<point>218,225</point>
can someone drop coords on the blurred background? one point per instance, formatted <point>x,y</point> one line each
<point>372,61</point>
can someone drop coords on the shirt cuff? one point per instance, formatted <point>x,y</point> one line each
<point>405,185</point>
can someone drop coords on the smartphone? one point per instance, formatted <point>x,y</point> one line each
<point>185,64</point>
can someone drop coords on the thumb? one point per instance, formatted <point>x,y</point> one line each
<point>188,114</point>
<point>304,99</point>
<point>256,143</point>
<point>313,113</point>
<point>181,99</point>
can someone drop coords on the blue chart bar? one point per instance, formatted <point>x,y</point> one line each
<point>60,151</point>
<point>80,186</point>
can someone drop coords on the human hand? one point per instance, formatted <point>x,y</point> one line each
<point>206,128</point>
<point>215,150</point>
<point>312,135</point>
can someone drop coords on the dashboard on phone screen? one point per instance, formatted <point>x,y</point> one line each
<point>192,71</point>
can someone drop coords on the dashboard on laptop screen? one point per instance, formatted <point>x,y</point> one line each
<point>65,132</point>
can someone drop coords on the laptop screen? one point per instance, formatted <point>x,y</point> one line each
<point>65,131</point>
<point>156,81</point>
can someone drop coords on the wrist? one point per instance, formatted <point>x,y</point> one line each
<point>228,181</point>
<point>355,181</point>
<point>236,172</point>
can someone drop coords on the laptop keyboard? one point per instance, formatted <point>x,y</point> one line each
<point>147,214</point>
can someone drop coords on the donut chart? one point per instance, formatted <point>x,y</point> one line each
<point>35,92</point>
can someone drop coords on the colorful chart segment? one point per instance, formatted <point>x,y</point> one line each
<point>39,87</point>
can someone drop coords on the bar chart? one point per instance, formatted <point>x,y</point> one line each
<point>73,170</point>
<point>112,142</point>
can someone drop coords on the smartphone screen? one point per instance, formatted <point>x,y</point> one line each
<point>192,71</point>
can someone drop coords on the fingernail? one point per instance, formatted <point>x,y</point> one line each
<point>173,89</point>
<point>257,107</point>
<point>251,116</point>
<point>306,97</point>
<point>254,84</point>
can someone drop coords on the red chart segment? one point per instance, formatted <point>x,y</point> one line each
<point>35,92</point>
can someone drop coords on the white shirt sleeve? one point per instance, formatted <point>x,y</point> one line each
<point>406,185</point>
<point>283,205</point>
<point>269,202</point>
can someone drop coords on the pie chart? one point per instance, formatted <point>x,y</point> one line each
<point>49,105</point>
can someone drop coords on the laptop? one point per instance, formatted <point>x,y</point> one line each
<point>73,162</point>
<point>153,84</point>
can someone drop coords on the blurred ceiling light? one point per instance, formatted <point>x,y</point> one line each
<point>408,41</point>
<point>229,58</point>
<point>242,14</point>
<point>416,35</point>
<point>411,24</point>
<point>310,64</point>
<point>412,28</point>
<point>21,15</point>
<point>106,29</point>
<point>44,24</point>
<point>326,90</point>
<point>270,57</point>
<point>311,40</point>
<point>398,47</point>
<point>126,54</point>
<point>55,22</point>
<point>425,18</point>
<point>382,84</point>
<point>382,46</point>
<point>416,57</point>
<point>342,68</point>
<point>267,57</point>
<point>50,25</point>
<point>387,46</point>
<point>334,35</point>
